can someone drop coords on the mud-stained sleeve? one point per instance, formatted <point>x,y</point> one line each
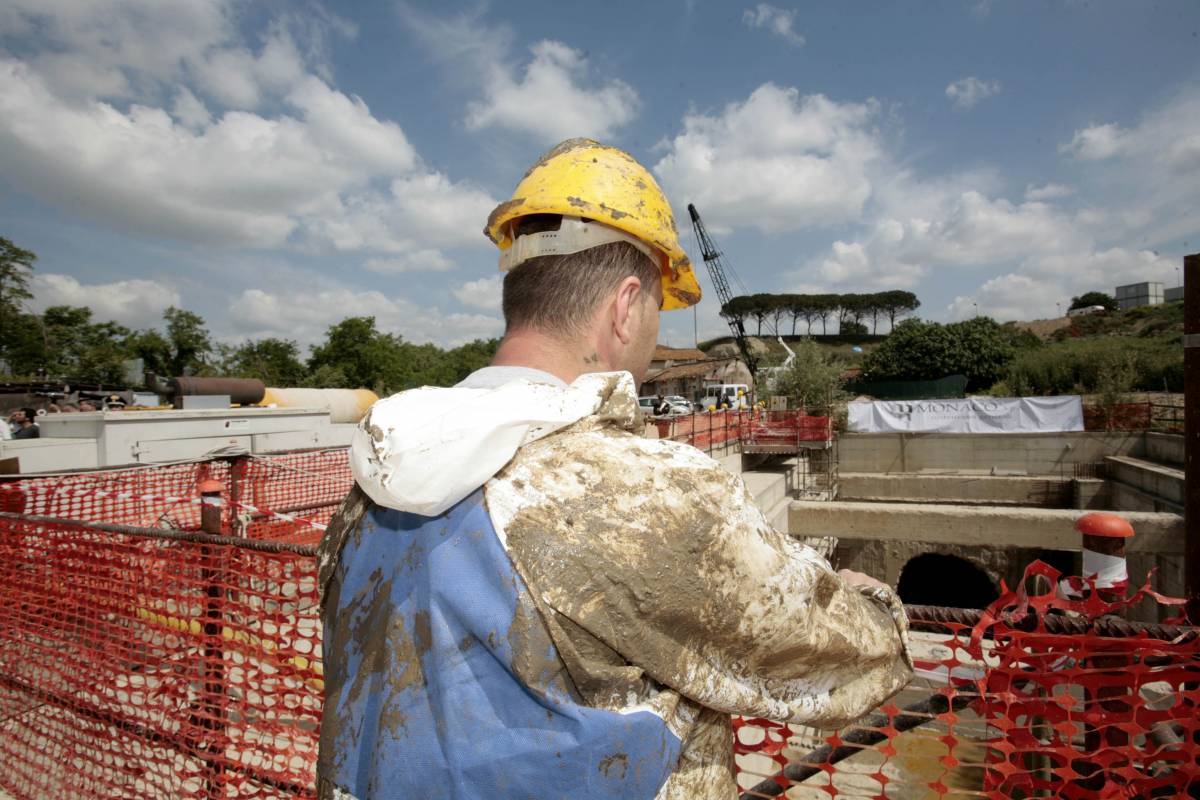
<point>344,520</point>
<point>662,555</point>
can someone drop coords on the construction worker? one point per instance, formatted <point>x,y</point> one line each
<point>523,597</point>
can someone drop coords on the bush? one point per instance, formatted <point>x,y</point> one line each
<point>1109,366</point>
<point>812,379</point>
<point>919,350</point>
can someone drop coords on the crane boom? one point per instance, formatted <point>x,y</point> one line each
<point>716,271</point>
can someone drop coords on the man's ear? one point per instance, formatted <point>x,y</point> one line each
<point>625,301</point>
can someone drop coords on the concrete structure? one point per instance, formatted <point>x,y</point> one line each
<point>884,539</point>
<point>1147,293</point>
<point>946,512</point>
<point>981,453</point>
<point>1141,485</point>
<point>961,489</point>
<point>115,438</point>
<point>1173,295</point>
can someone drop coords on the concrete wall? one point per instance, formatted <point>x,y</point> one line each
<point>880,538</point>
<point>1091,494</point>
<point>976,489</point>
<point>1163,448</point>
<point>1014,454</point>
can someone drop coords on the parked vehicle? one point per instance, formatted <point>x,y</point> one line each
<point>731,395</point>
<point>681,402</point>
<point>1085,310</point>
<point>676,407</point>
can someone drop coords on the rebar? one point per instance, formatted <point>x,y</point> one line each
<point>936,617</point>
<point>870,731</point>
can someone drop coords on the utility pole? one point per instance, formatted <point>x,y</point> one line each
<point>1191,430</point>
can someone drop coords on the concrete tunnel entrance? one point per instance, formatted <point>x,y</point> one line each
<point>934,579</point>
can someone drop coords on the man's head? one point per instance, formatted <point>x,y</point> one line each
<point>87,405</point>
<point>603,299</point>
<point>27,417</point>
<point>591,253</point>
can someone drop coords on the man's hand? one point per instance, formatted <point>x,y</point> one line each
<point>859,579</point>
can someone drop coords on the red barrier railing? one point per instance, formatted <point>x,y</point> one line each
<point>774,429</point>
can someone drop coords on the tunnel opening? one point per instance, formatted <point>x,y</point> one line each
<point>934,579</point>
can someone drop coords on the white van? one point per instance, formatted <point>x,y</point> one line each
<point>737,395</point>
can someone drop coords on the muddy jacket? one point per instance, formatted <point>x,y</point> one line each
<point>533,600</point>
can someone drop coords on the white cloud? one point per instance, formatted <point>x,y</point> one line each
<point>190,110</point>
<point>776,20</point>
<point>1148,171</point>
<point>420,261</point>
<point>133,303</point>
<point>484,293</point>
<point>1096,143</point>
<point>920,227</point>
<point>306,315</point>
<point>1010,297</point>
<point>1045,284</point>
<point>1167,137</point>
<point>779,161</point>
<point>967,92</point>
<point>1049,191</point>
<point>550,100</point>
<point>311,173</point>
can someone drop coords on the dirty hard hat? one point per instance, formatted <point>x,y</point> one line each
<point>587,183</point>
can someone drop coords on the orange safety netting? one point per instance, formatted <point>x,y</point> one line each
<point>141,658</point>
<point>135,665</point>
<point>1009,707</point>
<point>710,430</point>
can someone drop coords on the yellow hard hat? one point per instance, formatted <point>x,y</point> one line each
<point>583,178</point>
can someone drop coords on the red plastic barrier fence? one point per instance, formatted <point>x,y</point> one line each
<point>133,665</point>
<point>1009,708</point>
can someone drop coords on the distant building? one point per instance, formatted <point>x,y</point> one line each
<point>1147,293</point>
<point>684,371</point>
<point>1173,295</point>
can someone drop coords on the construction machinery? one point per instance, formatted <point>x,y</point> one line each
<point>717,271</point>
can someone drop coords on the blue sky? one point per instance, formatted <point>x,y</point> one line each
<point>278,166</point>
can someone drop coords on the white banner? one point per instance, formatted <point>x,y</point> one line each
<point>969,415</point>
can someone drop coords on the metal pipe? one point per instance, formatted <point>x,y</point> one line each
<point>936,617</point>
<point>855,741</point>
<point>195,537</point>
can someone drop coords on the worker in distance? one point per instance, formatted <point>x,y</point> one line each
<point>524,597</point>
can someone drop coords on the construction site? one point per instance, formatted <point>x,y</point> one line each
<point>161,634</point>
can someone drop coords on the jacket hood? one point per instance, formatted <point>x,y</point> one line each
<point>424,450</point>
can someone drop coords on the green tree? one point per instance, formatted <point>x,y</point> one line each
<point>276,362</point>
<point>471,356</point>
<point>824,306</point>
<point>853,328</point>
<point>189,339</point>
<point>79,349</point>
<point>812,379</point>
<point>15,267</point>
<point>1093,299</point>
<point>365,357</point>
<point>897,303</point>
<point>917,350</point>
<point>153,348</point>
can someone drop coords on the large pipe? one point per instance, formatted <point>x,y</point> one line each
<point>343,405</point>
<point>241,391</point>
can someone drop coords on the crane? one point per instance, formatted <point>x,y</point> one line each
<point>716,271</point>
